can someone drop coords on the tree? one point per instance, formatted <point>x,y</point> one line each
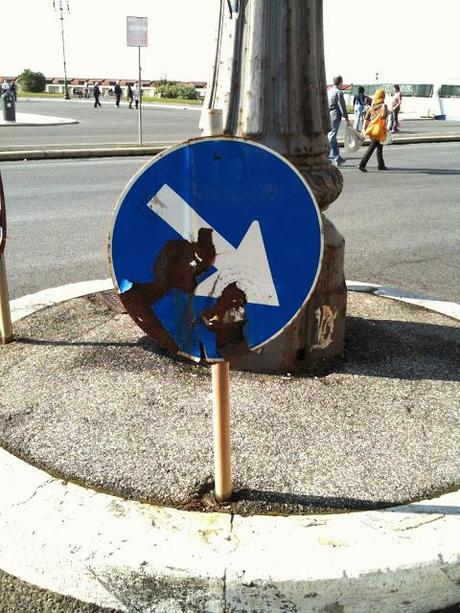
<point>31,81</point>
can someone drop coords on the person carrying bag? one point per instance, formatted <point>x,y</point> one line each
<point>375,128</point>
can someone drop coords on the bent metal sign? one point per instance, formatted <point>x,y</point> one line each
<point>215,246</point>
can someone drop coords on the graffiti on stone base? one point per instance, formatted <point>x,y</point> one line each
<point>325,318</point>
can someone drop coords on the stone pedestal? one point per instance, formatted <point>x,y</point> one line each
<point>269,80</point>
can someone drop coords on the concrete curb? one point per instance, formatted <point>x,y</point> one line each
<point>93,152</point>
<point>134,150</point>
<point>445,307</point>
<point>415,139</point>
<point>137,557</point>
<point>26,305</point>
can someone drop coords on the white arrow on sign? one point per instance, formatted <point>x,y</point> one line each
<point>247,265</point>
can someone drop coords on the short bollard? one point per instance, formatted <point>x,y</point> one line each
<point>8,106</point>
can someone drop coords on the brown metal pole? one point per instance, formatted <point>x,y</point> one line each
<point>221,425</point>
<point>212,126</point>
<point>6,328</point>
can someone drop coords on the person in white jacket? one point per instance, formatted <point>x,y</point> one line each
<point>136,95</point>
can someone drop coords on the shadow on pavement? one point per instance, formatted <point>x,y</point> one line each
<point>401,350</point>
<point>311,502</point>
<point>373,347</point>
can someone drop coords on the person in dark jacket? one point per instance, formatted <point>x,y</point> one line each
<point>117,91</point>
<point>96,94</point>
<point>360,104</point>
<point>130,96</point>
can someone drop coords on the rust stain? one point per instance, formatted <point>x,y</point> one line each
<point>227,319</point>
<point>176,267</point>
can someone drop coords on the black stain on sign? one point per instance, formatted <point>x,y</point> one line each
<point>227,319</point>
<point>176,267</point>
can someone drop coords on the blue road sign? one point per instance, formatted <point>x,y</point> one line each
<point>215,245</point>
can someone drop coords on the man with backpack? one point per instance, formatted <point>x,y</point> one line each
<point>360,104</point>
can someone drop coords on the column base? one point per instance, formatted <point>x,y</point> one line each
<point>317,334</point>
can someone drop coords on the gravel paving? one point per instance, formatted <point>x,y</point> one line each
<point>86,396</point>
<point>17,596</point>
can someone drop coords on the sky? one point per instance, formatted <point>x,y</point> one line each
<point>405,41</point>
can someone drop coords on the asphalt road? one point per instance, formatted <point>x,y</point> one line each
<point>401,227</point>
<point>111,125</point>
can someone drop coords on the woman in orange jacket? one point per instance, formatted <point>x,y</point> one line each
<point>377,110</point>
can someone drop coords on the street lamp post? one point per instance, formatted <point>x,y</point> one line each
<point>269,81</point>
<point>61,10</point>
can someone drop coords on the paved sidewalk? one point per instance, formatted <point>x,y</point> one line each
<point>30,119</point>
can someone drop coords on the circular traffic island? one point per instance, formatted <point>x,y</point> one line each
<point>89,399</point>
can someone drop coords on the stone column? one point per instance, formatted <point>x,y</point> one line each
<point>269,80</point>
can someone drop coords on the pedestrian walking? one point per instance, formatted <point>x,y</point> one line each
<point>375,126</point>
<point>5,86</point>
<point>130,96</point>
<point>96,94</point>
<point>360,104</point>
<point>395,108</point>
<point>136,95</point>
<point>117,91</point>
<point>337,111</point>
<point>85,89</point>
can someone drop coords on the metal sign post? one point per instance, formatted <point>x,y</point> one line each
<point>140,98</point>
<point>220,373</point>
<point>137,36</point>
<point>6,328</point>
<point>221,425</point>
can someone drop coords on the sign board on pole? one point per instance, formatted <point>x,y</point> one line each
<point>136,31</point>
<point>215,245</point>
